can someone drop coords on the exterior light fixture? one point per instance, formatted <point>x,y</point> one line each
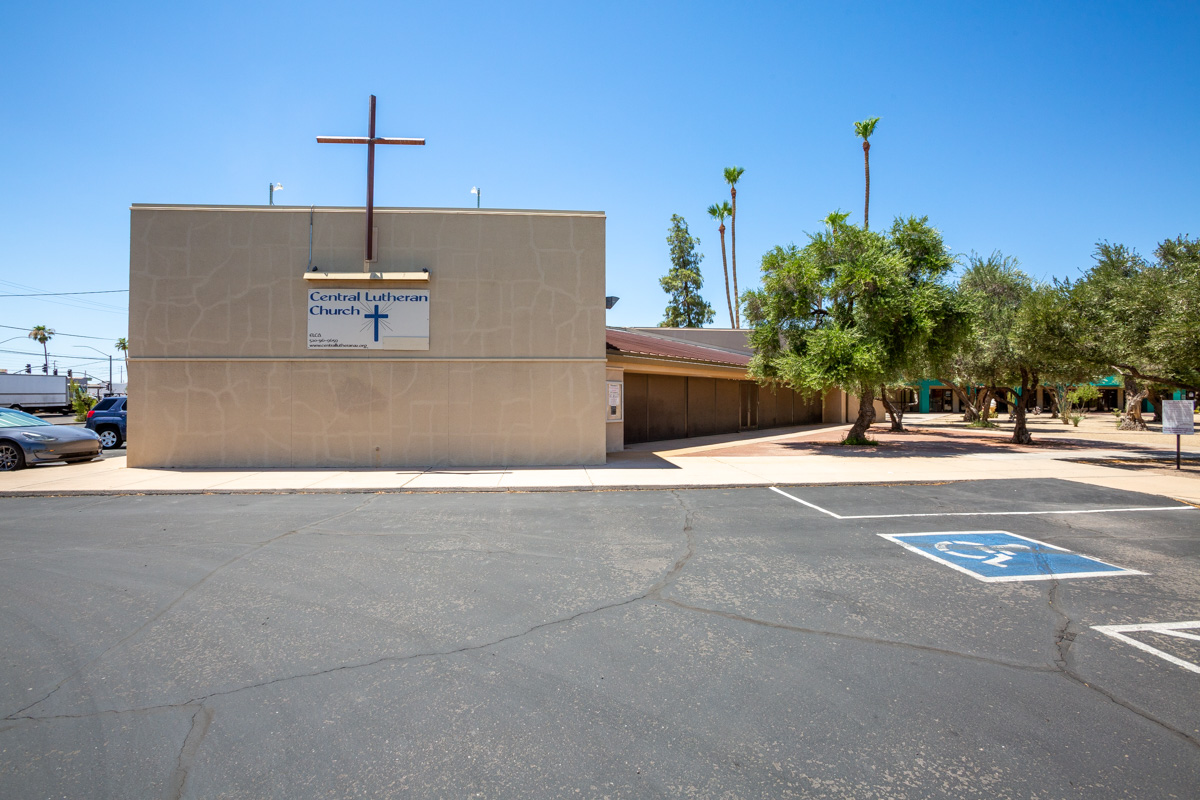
<point>610,301</point>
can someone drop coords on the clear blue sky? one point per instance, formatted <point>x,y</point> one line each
<point>1035,129</point>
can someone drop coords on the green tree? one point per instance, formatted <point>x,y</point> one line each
<point>1020,334</point>
<point>1138,319</point>
<point>1174,341</point>
<point>852,309</point>
<point>732,175</point>
<point>863,130</point>
<point>686,309</point>
<point>719,211</point>
<point>123,346</point>
<point>41,334</point>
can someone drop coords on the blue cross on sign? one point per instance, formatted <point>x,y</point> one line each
<point>376,316</point>
<point>998,556</point>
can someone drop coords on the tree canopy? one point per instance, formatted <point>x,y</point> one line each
<point>686,308</point>
<point>852,309</point>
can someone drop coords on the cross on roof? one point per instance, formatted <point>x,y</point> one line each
<point>370,140</point>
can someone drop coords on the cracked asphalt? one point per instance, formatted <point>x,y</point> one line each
<point>688,643</point>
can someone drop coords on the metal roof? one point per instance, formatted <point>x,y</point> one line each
<point>623,341</point>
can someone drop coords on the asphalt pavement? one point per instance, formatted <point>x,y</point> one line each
<point>752,642</point>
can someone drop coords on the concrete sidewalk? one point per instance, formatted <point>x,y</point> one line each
<point>694,463</point>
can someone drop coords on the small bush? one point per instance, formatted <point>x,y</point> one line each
<point>856,442</point>
<point>81,402</point>
<point>982,423</point>
<point>1076,419</point>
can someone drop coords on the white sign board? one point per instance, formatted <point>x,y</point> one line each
<point>615,412</point>
<point>1179,417</point>
<point>368,319</point>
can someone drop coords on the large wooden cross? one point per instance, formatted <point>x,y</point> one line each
<point>370,140</point>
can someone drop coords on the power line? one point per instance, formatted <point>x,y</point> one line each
<point>63,294</point>
<point>56,333</point>
<point>85,303</point>
<point>51,355</point>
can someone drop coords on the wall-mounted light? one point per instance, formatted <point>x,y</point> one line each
<point>610,301</point>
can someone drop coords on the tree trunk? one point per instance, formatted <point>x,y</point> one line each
<point>725,265</point>
<point>1020,431</point>
<point>969,409</point>
<point>1054,404</point>
<point>1155,397</point>
<point>1132,420</point>
<point>737,311</point>
<point>866,414</point>
<point>985,403</point>
<point>867,198</point>
<point>893,411</point>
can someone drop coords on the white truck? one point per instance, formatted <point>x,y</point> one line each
<point>26,392</point>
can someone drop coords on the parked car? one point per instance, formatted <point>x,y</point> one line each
<point>26,439</point>
<point>107,419</point>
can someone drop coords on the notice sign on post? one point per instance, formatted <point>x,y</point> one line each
<point>1179,418</point>
<point>368,319</point>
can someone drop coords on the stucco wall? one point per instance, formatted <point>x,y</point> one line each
<point>219,363</point>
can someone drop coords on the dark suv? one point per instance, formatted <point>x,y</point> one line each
<point>107,419</point>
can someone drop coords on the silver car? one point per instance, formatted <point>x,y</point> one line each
<point>25,439</point>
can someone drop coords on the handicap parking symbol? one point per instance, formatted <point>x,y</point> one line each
<point>998,556</point>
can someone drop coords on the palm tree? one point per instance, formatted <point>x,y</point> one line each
<point>123,346</point>
<point>731,177</point>
<point>863,130</point>
<point>719,211</point>
<point>42,334</point>
<point>835,218</point>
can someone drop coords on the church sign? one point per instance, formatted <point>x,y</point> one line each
<point>368,319</point>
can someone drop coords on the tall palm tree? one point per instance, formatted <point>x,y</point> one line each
<point>719,211</point>
<point>41,334</point>
<point>863,130</point>
<point>123,346</point>
<point>731,177</point>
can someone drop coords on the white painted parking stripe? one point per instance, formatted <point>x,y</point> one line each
<point>1165,628</point>
<point>806,503</point>
<point>984,513</point>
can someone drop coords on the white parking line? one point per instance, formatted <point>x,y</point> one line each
<point>1164,628</point>
<point>982,513</point>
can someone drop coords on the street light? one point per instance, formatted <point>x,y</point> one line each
<point>475,190</point>
<point>273,188</point>
<point>109,363</point>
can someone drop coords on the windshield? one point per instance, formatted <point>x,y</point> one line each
<point>19,419</point>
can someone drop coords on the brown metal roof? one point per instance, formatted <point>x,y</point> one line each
<point>640,344</point>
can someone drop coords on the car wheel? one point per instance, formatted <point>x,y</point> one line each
<point>109,438</point>
<point>11,457</point>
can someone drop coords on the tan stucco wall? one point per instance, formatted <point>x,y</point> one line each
<point>222,375</point>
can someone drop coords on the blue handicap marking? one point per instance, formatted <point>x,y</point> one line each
<point>996,556</point>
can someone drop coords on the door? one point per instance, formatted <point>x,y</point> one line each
<point>748,419</point>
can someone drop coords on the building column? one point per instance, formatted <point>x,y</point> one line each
<point>923,396</point>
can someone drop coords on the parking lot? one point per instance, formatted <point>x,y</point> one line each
<point>904,641</point>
